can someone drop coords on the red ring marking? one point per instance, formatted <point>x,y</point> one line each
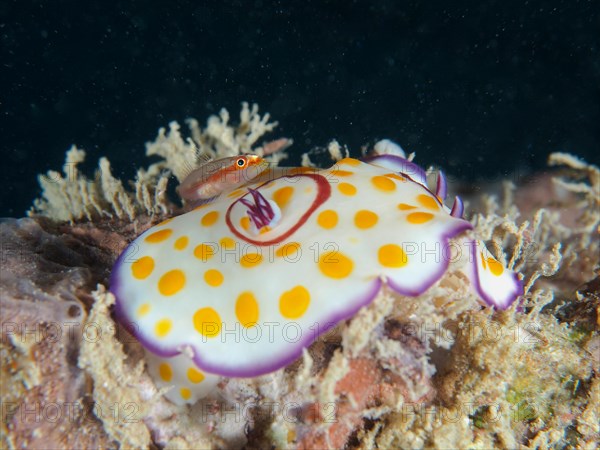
<point>323,193</point>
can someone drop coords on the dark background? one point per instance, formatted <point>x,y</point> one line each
<point>480,88</point>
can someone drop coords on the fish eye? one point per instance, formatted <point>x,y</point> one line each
<point>241,162</point>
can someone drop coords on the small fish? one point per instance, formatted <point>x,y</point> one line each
<point>215,177</point>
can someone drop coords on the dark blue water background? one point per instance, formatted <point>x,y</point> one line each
<point>479,88</point>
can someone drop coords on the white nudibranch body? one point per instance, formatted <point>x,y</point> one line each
<point>240,285</point>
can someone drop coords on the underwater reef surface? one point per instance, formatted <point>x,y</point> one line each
<point>435,371</point>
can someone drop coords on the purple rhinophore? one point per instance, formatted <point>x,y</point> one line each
<point>458,208</point>
<point>441,189</point>
<point>260,211</point>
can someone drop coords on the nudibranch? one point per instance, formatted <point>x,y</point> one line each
<point>240,285</point>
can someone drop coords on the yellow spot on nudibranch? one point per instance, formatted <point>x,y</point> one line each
<point>162,328</point>
<point>227,243</point>
<point>251,260</point>
<point>165,372</point>
<point>340,173</point>
<point>383,183</point>
<point>391,255</point>
<point>297,170</point>
<point>245,223</point>
<point>209,218</point>
<point>181,243</point>
<point>294,303</point>
<point>335,265</point>
<point>186,394</point>
<point>347,189</point>
<point>171,282</point>
<point>194,375</point>
<point>143,310</point>
<point>365,219</point>
<point>349,161</point>
<point>287,250</point>
<point>405,206</point>
<point>483,261</point>
<point>164,222</point>
<point>395,176</point>
<point>159,236</point>
<point>427,201</point>
<point>419,217</point>
<point>213,277</point>
<point>495,267</point>
<point>204,252</point>
<point>235,193</point>
<point>207,322</point>
<point>246,309</point>
<point>142,268</point>
<point>327,219</point>
<point>283,195</point>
